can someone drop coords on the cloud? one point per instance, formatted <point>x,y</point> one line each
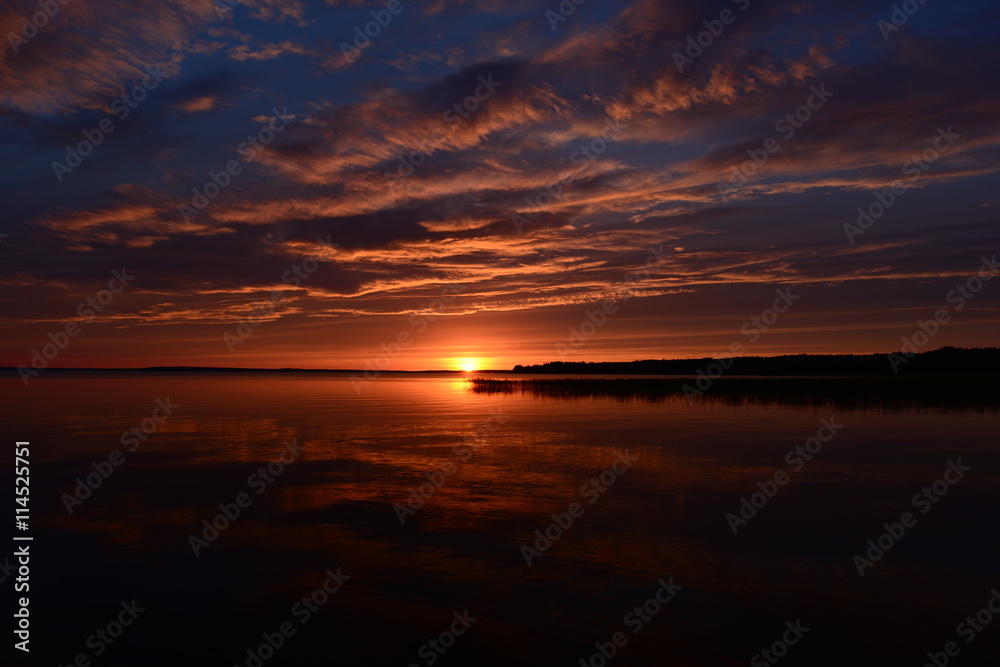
<point>197,104</point>
<point>90,52</point>
<point>263,52</point>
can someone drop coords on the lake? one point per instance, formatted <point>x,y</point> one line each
<point>334,554</point>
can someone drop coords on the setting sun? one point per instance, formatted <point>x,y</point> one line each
<point>467,365</point>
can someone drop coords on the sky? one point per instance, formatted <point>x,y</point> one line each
<point>477,183</point>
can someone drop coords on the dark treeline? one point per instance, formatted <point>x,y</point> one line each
<point>944,361</point>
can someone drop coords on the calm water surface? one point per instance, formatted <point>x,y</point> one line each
<point>665,517</point>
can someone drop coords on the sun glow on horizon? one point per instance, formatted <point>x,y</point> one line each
<point>468,365</point>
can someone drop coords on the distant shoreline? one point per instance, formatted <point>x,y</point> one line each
<point>946,361</point>
<point>223,369</point>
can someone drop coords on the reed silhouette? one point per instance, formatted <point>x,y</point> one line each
<point>977,393</point>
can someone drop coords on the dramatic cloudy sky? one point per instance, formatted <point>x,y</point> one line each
<point>396,244</point>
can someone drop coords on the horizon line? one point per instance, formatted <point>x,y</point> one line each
<point>492,370</point>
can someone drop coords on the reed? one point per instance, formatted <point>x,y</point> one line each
<point>948,393</point>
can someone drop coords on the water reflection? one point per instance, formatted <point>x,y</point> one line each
<point>364,453</point>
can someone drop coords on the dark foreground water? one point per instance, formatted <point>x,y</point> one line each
<point>460,556</point>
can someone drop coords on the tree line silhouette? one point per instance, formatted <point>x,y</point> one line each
<point>943,361</point>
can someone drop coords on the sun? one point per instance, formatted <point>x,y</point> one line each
<point>467,365</point>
